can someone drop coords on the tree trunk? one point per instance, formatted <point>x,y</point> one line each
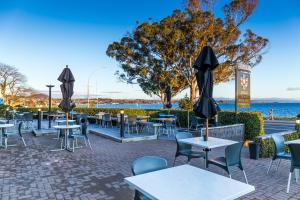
<point>163,99</point>
<point>193,91</point>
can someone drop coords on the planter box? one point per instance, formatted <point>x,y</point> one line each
<point>234,132</point>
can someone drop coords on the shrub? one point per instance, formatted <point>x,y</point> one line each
<point>254,123</point>
<point>267,144</point>
<point>185,103</point>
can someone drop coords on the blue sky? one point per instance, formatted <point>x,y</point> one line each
<point>41,37</point>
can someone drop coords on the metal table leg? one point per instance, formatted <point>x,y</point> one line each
<point>206,150</point>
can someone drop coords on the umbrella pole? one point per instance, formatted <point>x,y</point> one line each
<point>188,121</point>
<point>206,129</point>
<point>67,118</point>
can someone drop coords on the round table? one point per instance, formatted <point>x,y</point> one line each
<point>63,121</point>
<point>3,127</point>
<point>66,130</point>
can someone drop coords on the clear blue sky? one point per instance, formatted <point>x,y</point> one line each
<point>41,37</point>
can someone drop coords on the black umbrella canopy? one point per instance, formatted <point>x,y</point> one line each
<point>67,79</point>
<point>205,64</point>
<point>168,96</point>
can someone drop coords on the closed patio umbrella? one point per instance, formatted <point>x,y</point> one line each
<point>67,79</point>
<point>206,105</point>
<point>168,96</point>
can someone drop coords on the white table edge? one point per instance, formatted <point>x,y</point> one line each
<point>233,197</point>
<point>211,147</point>
<point>138,188</point>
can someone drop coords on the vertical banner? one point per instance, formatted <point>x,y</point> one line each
<point>242,88</point>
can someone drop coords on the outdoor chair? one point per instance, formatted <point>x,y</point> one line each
<point>17,133</point>
<point>107,120</point>
<point>295,161</point>
<point>279,152</point>
<point>144,165</point>
<point>195,125</point>
<point>232,158</point>
<point>170,126</point>
<point>132,124</point>
<point>28,119</point>
<point>81,136</point>
<point>186,149</point>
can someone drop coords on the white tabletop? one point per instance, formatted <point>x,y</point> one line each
<point>63,120</point>
<point>6,125</point>
<point>66,127</point>
<point>293,142</point>
<point>211,143</point>
<point>188,183</point>
<point>163,119</point>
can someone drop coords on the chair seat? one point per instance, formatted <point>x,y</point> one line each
<point>7,134</point>
<point>192,154</point>
<point>219,161</point>
<point>283,155</point>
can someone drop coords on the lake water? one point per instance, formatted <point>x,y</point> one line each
<point>279,109</point>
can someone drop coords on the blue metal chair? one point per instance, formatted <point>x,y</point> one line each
<point>186,149</point>
<point>295,161</point>
<point>144,165</point>
<point>81,136</point>
<point>279,152</point>
<point>7,134</point>
<point>232,158</point>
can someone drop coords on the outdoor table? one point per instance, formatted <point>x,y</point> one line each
<point>296,171</point>
<point>188,183</point>
<point>3,127</point>
<point>63,121</point>
<point>66,131</point>
<point>163,119</point>
<point>211,143</point>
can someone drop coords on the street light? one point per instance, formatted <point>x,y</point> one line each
<point>50,102</point>
<point>122,124</point>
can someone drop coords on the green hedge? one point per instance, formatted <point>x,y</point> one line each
<point>267,144</point>
<point>254,123</point>
<point>3,111</point>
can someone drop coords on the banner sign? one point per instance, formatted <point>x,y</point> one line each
<point>242,88</point>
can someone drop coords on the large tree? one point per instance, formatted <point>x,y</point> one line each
<point>158,53</point>
<point>12,83</point>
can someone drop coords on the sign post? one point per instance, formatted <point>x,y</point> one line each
<point>242,89</point>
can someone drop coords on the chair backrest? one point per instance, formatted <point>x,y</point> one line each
<point>147,164</point>
<point>84,129</point>
<point>233,154</point>
<point>28,116</point>
<point>183,146</point>
<point>295,154</point>
<point>20,128</point>
<point>132,120</point>
<point>279,143</point>
<point>106,117</point>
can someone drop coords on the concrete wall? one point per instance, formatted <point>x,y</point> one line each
<point>232,132</point>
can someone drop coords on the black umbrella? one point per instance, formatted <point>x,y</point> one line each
<point>206,105</point>
<point>168,96</point>
<point>67,79</point>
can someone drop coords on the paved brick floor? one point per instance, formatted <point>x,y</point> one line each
<point>37,173</point>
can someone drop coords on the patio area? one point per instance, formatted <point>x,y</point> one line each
<point>35,172</point>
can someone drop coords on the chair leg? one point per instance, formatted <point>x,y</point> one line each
<point>278,164</point>
<point>245,176</point>
<point>23,141</point>
<point>61,143</point>
<point>270,166</point>
<point>174,161</point>
<point>90,144</point>
<point>289,182</point>
<point>73,145</point>
<point>229,175</point>
<point>5,142</point>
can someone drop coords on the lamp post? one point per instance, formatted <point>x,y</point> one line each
<point>50,102</point>
<point>122,124</point>
<point>7,114</point>
<point>39,119</point>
